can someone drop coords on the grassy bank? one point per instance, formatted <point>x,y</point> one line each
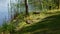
<point>47,22</point>
<point>44,23</point>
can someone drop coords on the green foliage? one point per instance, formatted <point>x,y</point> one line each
<point>47,21</point>
<point>7,28</point>
<point>49,24</point>
<point>4,26</point>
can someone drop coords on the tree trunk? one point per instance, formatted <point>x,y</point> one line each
<point>58,4</point>
<point>26,7</point>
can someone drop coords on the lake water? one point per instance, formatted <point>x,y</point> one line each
<point>3,10</point>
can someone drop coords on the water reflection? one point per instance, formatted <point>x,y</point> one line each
<point>3,10</point>
<point>6,13</point>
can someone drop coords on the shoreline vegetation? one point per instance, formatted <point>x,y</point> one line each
<point>44,17</point>
<point>20,27</point>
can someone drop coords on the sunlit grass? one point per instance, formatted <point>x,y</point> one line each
<point>42,15</point>
<point>37,18</point>
<point>38,22</point>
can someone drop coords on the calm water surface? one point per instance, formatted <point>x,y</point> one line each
<point>3,10</point>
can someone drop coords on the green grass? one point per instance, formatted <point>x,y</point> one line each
<point>47,22</point>
<point>44,23</point>
<point>49,25</point>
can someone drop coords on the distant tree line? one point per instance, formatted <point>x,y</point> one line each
<point>23,6</point>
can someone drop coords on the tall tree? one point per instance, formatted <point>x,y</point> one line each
<point>26,6</point>
<point>58,4</point>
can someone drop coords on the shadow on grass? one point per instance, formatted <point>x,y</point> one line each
<point>49,25</point>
